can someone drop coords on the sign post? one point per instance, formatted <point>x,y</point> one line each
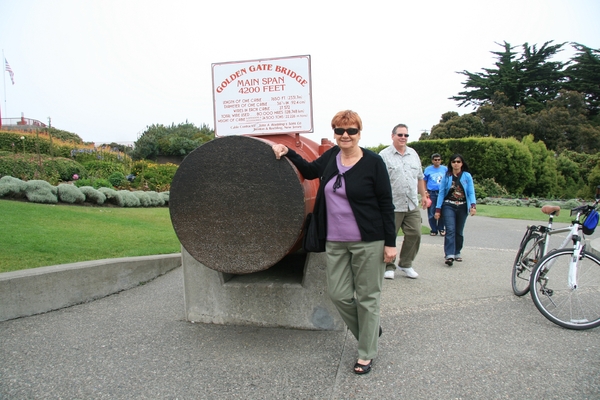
<point>263,97</point>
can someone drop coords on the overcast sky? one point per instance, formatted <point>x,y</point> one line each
<point>107,69</point>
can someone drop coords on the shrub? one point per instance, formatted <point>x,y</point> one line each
<point>486,156</point>
<point>142,197</point>
<point>19,167</point>
<point>488,187</point>
<point>92,195</point>
<point>30,166</point>
<point>12,187</point>
<point>156,200</point>
<point>112,196</point>
<point>102,169</point>
<point>570,204</point>
<point>38,191</point>
<point>64,168</point>
<point>165,196</point>
<point>116,179</point>
<point>535,203</point>
<point>94,182</point>
<point>129,199</point>
<point>156,177</point>
<point>81,182</point>
<point>70,194</point>
<point>99,183</point>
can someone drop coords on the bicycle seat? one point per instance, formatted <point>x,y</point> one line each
<point>551,209</point>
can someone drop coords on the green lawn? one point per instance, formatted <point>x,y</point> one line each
<point>514,212</point>
<point>36,235</point>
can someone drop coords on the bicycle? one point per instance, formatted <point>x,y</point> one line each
<point>565,283</point>
<point>533,247</point>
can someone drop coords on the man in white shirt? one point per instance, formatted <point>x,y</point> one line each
<point>406,177</point>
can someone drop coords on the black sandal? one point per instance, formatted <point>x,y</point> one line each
<point>449,261</point>
<point>364,369</point>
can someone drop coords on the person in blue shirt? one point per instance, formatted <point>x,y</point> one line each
<point>455,202</point>
<point>433,175</point>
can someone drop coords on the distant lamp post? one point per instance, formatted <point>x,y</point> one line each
<point>23,141</point>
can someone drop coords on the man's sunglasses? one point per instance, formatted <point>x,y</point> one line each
<point>340,131</point>
<point>402,134</point>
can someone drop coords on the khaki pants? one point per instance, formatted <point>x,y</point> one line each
<point>357,268</point>
<point>410,223</point>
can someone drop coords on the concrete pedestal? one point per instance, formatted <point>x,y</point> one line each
<point>291,294</point>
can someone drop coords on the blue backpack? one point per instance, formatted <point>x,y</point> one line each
<point>590,222</point>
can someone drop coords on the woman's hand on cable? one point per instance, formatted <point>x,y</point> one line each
<point>279,150</point>
<point>389,254</point>
<point>436,215</point>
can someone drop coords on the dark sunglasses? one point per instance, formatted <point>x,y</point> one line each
<point>402,134</point>
<point>437,159</point>
<point>456,162</point>
<point>340,131</point>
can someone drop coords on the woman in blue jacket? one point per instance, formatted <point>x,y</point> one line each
<point>456,200</point>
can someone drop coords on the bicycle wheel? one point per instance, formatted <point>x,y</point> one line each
<point>529,254</point>
<point>577,308</point>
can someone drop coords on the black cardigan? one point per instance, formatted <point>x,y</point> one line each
<point>368,190</point>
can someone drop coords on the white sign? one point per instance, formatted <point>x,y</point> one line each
<point>263,97</point>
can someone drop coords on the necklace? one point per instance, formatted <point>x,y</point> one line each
<point>350,160</point>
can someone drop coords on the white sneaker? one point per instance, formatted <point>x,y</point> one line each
<point>409,272</point>
<point>389,275</point>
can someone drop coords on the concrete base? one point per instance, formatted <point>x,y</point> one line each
<point>38,290</point>
<point>291,294</point>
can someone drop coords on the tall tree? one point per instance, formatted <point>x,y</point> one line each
<point>481,86</point>
<point>541,78</point>
<point>453,126</point>
<point>529,80</point>
<point>563,125</point>
<point>584,77</point>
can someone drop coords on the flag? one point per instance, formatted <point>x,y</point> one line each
<point>10,71</point>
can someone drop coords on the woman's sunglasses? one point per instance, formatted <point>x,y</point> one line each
<point>340,131</point>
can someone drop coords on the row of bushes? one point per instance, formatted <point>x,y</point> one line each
<point>89,170</point>
<point>528,202</point>
<point>522,168</point>
<point>39,191</point>
<point>37,142</point>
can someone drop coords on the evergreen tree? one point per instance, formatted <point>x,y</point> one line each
<point>529,81</point>
<point>584,77</point>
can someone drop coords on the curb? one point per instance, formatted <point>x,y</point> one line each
<point>39,290</point>
<point>594,246</point>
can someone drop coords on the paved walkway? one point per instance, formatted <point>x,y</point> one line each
<point>453,333</point>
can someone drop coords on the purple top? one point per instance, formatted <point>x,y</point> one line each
<point>341,224</point>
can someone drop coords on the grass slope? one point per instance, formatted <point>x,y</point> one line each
<point>36,235</point>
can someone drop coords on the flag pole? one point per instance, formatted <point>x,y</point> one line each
<point>4,82</point>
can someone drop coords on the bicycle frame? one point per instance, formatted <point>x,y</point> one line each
<point>577,248</point>
<point>547,231</point>
<point>578,244</point>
